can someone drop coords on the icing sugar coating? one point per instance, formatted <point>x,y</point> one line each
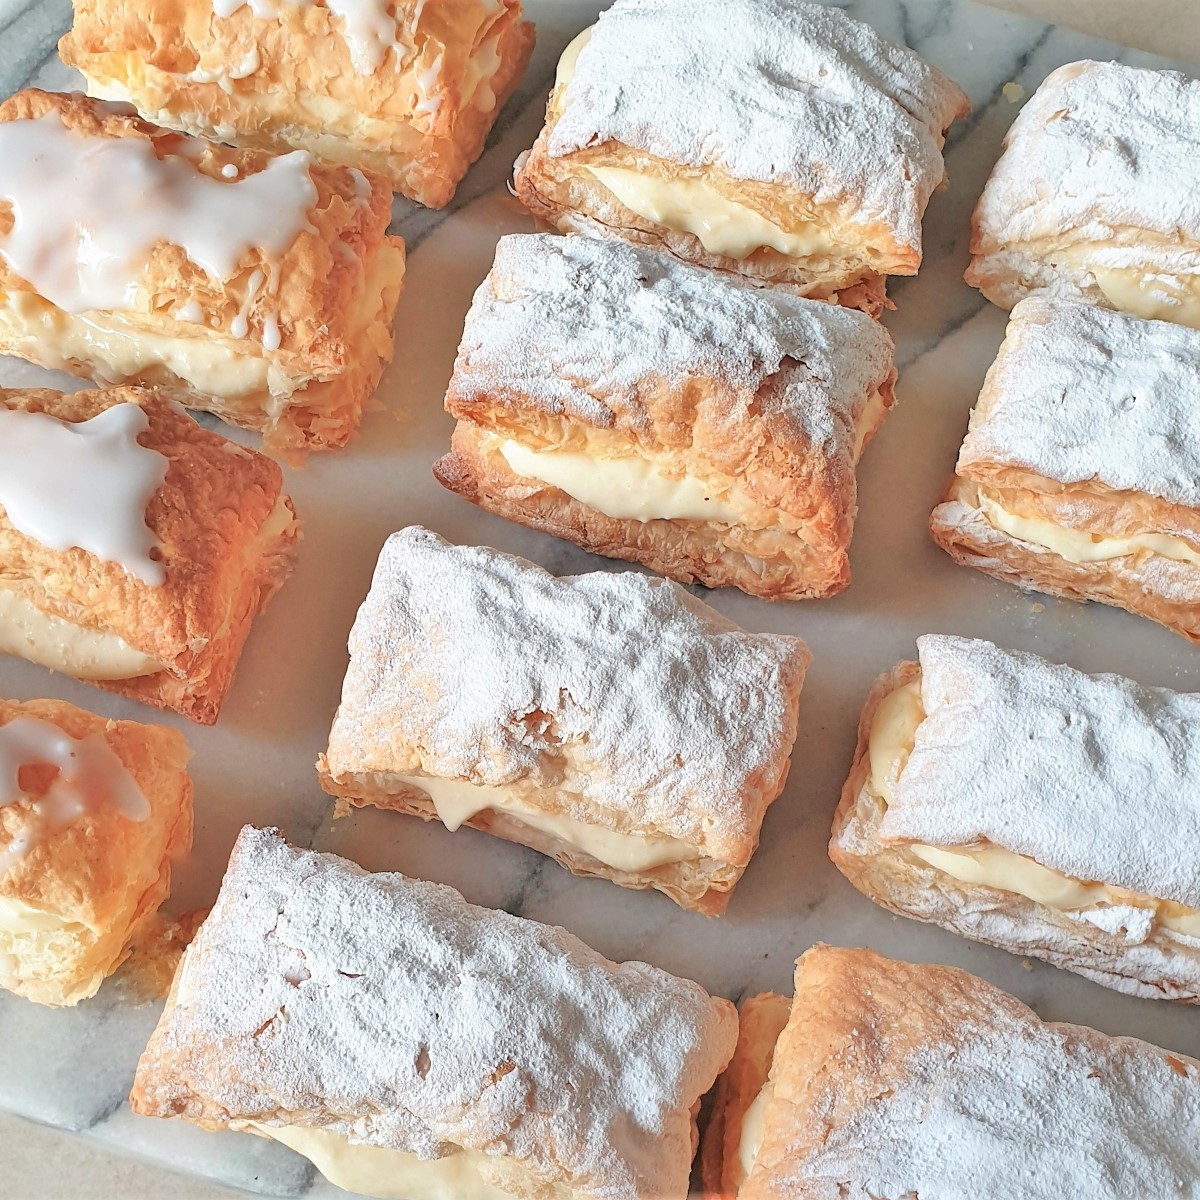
<point>774,91</point>
<point>1079,392</point>
<point>391,1011</point>
<point>612,317</point>
<point>1099,145</point>
<point>1091,775</point>
<point>114,200</point>
<point>83,484</point>
<point>938,1085</point>
<point>621,688</point>
<point>90,774</point>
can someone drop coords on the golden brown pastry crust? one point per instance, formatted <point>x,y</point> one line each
<point>1161,967</point>
<point>331,363</point>
<point>103,871</point>
<point>207,516</point>
<point>421,145</point>
<point>761,1020</point>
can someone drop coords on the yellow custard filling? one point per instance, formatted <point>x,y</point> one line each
<point>891,740</point>
<point>1079,547</point>
<point>457,802</point>
<point>1155,297</point>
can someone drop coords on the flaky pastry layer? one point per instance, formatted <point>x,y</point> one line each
<point>289,81</point>
<point>91,883</point>
<point>298,343</point>
<point>227,535</point>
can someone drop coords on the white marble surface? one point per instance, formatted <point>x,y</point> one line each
<point>72,1068</point>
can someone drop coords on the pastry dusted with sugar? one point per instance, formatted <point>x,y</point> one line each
<point>610,721</point>
<point>260,287</point>
<point>1033,807</point>
<point>893,1080</point>
<point>407,89</point>
<point>1080,474</point>
<point>1097,194</point>
<point>650,410</point>
<point>92,813</point>
<point>144,576</point>
<point>781,140</point>
<point>412,1044</point>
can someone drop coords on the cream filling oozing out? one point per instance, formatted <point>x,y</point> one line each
<point>18,919</point>
<point>891,740</point>
<point>386,1173</point>
<point>457,802</point>
<point>723,226</point>
<point>1155,297</point>
<point>1079,547</point>
<point>27,632</point>
<point>753,1132</point>
<point>634,487</point>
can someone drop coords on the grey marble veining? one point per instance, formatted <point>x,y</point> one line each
<point>72,1068</point>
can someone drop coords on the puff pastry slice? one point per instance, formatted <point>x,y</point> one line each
<point>408,90</point>
<point>608,720</point>
<point>1080,474</point>
<point>144,577</point>
<point>1033,807</point>
<point>415,1045</point>
<point>893,1080</point>
<point>650,410</point>
<point>1097,193</point>
<point>92,813</point>
<point>260,287</point>
<point>781,140</point>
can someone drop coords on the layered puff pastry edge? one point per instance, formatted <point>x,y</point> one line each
<point>780,140</point>
<point>226,536</point>
<point>412,1043</point>
<point>291,344</point>
<point>71,902</point>
<point>408,92</point>
<point>650,410</point>
<point>1082,885</point>
<point>1078,474</point>
<point>610,721</point>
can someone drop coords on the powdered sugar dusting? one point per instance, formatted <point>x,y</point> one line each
<point>615,687</point>
<point>988,1101</point>
<point>394,1013</point>
<point>769,90</point>
<point>1093,776</point>
<point>1099,146</point>
<point>1080,393</point>
<point>609,319</point>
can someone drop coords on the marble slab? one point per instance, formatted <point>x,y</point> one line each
<point>72,1069</point>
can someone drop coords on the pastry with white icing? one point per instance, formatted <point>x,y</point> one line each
<point>893,1080</point>
<point>1080,473</point>
<point>1097,193</point>
<point>778,139</point>
<point>408,90</point>
<point>259,287</point>
<point>144,575</point>
<point>92,813</point>
<point>1033,807</point>
<point>651,410</point>
<point>414,1045</point>
<point>611,721</point>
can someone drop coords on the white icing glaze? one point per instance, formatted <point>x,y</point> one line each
<point>770,90</point>
<point>608,317</point>
<point>90,776</point>
<point>1080,393</point>
<point>1001,1105</point>
<point>367,25</point>
<point>616,687</point>
<point>1091,776</point>
<point>114,200</point>
<point>83,485</point>
<point>1101,146</point>
<point>393,1006</point>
